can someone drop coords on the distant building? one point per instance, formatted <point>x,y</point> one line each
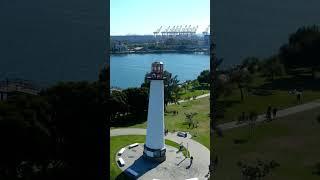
<point>118,46</point>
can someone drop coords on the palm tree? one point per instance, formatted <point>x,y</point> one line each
<point>242,78</point>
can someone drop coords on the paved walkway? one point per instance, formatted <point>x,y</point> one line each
<point>174,167</point>
<point>198,97</point>
<point>280,113</point>
<point>201,154</point>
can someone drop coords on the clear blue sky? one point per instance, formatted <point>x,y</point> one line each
<point>145,16</point>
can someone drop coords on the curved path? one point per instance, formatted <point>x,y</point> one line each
<point>200,153</point>
<point>280,113</point>
<point>197,97</point>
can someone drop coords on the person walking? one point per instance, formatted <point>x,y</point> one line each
<point>191,159</point>
<point>268,115</point>
<point>180,147</point>
<point>274,113</point>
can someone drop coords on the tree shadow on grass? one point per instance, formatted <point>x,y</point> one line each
<point>129,120</point>
<point>228,103</point>
<point>306,82</point>
<point>222,105</point>
<point>240,141</point>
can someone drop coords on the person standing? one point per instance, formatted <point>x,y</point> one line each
<point>274,113</point>
<point>299,97</point>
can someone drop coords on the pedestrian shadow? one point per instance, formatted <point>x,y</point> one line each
<point>182,161</point>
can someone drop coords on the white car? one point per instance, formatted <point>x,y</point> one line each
<point>182,134</point>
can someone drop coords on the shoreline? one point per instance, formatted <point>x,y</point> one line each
<point>162,51</point>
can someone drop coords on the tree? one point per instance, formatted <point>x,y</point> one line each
<point>273,67</point>
<point>204,77</point>
<point>137,100</point>
<point>185,87</point>
<point>176,94</point>
<point>24,124</point>
<point>119,100</point>
<point>171,87</point>
<point>252,63</point>
<point>302,49</point>
<point>242,78</point>
<point>189,118</point>
<point>224,86</point>
<point>79,121</point>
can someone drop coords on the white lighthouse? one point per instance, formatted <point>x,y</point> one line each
<point>154,147</point>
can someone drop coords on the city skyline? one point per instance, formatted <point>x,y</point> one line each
<point>143,17</point>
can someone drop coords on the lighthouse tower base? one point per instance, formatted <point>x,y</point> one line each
<point>158,155</point>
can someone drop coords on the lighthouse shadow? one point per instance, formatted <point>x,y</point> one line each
<point>143,165</point>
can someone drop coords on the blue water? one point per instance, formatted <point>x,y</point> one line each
<point>129,70</point>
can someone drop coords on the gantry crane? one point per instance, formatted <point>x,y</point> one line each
<point>206,31</point>
<point>157,31</point>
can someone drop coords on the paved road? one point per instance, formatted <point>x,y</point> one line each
<point>280,113</point>
<point>200,153</point>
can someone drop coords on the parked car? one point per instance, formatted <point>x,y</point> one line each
<point>182,134</point>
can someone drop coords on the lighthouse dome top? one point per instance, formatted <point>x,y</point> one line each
<point>156,71</point>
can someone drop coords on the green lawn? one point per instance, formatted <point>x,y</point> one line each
<point>279,97</point>
<point>190,93</point>
<point>259,104</point>
<point>292,141</point>
<point>178,123</point>
<point>118,142</point>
